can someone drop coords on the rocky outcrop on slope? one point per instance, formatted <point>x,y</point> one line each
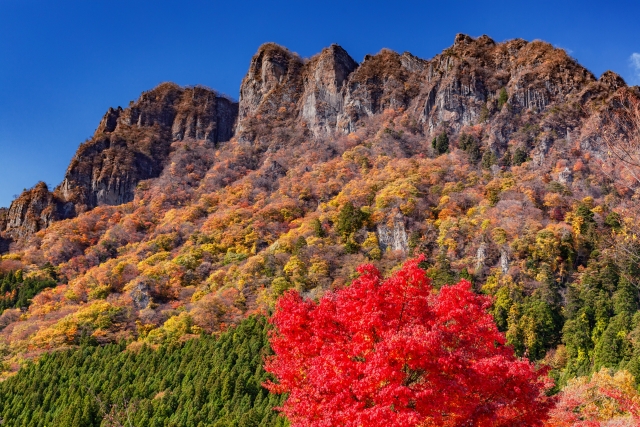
<point>128,146</point>
<point>387,80</point>
<point>4,243</point>
<point>393,237</point>
<point>3,218</point>
<point>32,211</point>
<point>131,145</point>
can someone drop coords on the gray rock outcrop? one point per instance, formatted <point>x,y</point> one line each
<point>32,211</point>
<point>393,237</point>
<point>324,83</point>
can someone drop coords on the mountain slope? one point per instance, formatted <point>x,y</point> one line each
<point>215,381</point>
<point>186,212</point>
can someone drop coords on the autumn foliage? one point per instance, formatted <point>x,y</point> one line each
<point>394,352</point>
<point>602,400</point>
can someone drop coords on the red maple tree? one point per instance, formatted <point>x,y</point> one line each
<point>397,353</point>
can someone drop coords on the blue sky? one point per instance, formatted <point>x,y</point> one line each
<point>64,63</point>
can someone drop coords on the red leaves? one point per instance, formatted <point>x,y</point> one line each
<point>395,353</point>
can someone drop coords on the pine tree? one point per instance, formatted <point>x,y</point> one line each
<point>440,143</point>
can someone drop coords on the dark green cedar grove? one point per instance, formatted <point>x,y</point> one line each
<point>207,381</point>
<point>16,291</point>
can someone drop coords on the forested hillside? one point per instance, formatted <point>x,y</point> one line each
<point>212,381</point>
<point>506,164</point>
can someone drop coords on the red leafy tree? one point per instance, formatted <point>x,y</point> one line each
<point>395,353</point>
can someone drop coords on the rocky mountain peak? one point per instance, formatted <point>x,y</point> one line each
<point>132,144</point>
<point>324,80</point>
<point>485,40</point>
<point>110,120</point>
<point>273,71</point>
<point>32,211</point>
<point>128,146</point>
<point>462,39</point>
<point>613,80</point>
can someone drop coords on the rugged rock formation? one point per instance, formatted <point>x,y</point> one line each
<point>393,237</point>
<point>139,294</point>
<point>132,145</point>
<point>324,83</point>
<point>4,243</point>
<point>109,121</point>
<point>128,146</point>
<point>32,211</point>
<point>457,88</point>
<point>386,80</point>
<point>481,256</point>
<point>272,82</point>
<point>3,218</point>
<point>203,115</point>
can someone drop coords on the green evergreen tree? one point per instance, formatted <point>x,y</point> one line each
<point>440,143</point>
<point>470,145</point>
<point>318,229</point>
<point>507,159</point>
<point>503,97</point>
<point>488,159</point>
<point>519,157</point>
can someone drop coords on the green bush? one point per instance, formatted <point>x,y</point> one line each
<point>503,97</point>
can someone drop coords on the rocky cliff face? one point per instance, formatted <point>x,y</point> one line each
<point>33,210</point>
<point>382,81</point>
<point>393,237</point>
<point>131,145</point>
<point>128,146</point>
<point>286,89</point>
<point>324,82</point>
<point>4,243</point>
<point>460,87</point>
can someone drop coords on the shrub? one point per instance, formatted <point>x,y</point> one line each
<point>503,97</point>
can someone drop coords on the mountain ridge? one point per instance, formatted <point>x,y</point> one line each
<point>328,93</point>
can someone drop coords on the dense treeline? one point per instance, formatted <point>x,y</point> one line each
<point>208,381</point>
<point>16,291</point>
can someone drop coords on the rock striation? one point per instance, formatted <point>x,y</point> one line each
<point>393,237</point>
<point>324,82</point>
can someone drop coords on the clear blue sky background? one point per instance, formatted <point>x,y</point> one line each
<point>63,63</point>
